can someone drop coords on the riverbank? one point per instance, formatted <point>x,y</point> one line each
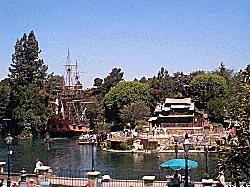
<point>154,151</point>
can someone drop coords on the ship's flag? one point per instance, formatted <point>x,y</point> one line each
<point>57,104</point>
<point>62,110</point>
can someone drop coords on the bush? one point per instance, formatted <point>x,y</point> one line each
<point>124,146</point>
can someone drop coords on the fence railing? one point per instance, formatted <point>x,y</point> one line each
<point>117,179</point>
<point>79,178</point>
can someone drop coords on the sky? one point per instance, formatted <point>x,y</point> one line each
<point>138,36</point>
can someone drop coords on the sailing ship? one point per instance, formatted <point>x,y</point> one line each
<point>70,104</point>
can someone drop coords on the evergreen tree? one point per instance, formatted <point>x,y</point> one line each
<point>29,99</point>
<point>27,67</point>
<point>4,100</point>
<point>161,86</point>
<point>112,79</point>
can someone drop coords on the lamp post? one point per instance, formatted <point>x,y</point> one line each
<point>236,173</point>
<point>176,148</point>
<point>47,141</point>
<point>8,140</point>
<point>6,124</point>
<point>92,154</point>
<point>206,146</point>
<point>186,146</point>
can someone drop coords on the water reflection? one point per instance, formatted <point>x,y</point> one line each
<point>67,154</point>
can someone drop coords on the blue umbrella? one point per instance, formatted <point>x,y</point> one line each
<point>178,164</point>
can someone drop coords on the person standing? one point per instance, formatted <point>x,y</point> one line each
<point>1,182</point>
<point>14,184</point>
<point>31,183</point>
<point>38,165</point>
<point>221,179</point>
<point>175,182</point>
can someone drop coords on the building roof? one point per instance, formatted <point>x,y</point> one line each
<point>178,101</point>
<point>172,104</point>
<point>176,116</point>
<point>180,106</point>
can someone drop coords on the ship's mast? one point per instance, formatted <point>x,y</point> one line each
<point>72,74</point>
<point>77,73</point>
<point>69,80</point>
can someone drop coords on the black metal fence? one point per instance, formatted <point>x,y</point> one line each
<point>67,177</point>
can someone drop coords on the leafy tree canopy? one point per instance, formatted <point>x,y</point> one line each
<point>207,86</point>
<point>234,150</point>
<point>216,109</point>
<point>125,93</point>
<point>134,112</point>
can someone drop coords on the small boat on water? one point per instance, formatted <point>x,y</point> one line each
<point>87,139</point>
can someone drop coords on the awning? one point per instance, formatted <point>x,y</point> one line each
<point>180,106</point>
<point>152,119</point>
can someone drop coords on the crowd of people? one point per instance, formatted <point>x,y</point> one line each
<point>30,183</point>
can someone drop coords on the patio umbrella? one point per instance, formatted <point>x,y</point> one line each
<point>178,164</point>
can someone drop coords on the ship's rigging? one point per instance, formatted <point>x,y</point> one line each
<point>71,103</point>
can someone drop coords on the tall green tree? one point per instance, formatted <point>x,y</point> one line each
<point>123,94</point>
<point>4,100</point>
<point>234,150</point>
<point>114,77</point>
<point>101,88</point>
<point>207,86</point>
<point>29,100</point>
<point>134,112</point>
<point>216,109</point>
<point>225,72</point>
<point>161,86</point>
<point>27,67</point>
<point>180,84</point>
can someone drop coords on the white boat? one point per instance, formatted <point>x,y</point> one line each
<point>87,139</point>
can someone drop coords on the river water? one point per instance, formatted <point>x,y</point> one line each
<point>66,154</point>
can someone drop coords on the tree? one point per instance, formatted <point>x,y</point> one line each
<point>225,72</point>
<point>4,99</point>
<point>234,150</point>
<point>161,86</point>
<point>94,112</point>
<point>207,86</point>
<point>102,86</point>
<point>27,67</point>
<point>123,94</point>
<point>143,80</point>
<point>134,112</point>
<point>98,82</point>
<point>180,84</point>
<point>112,79</point>
<point>216,109</point>
<point>29,100</point>
<point>53,85</point>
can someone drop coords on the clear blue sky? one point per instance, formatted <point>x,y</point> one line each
<point>138,36</point>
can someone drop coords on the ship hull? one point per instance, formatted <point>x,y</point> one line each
<point>63,128</point>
